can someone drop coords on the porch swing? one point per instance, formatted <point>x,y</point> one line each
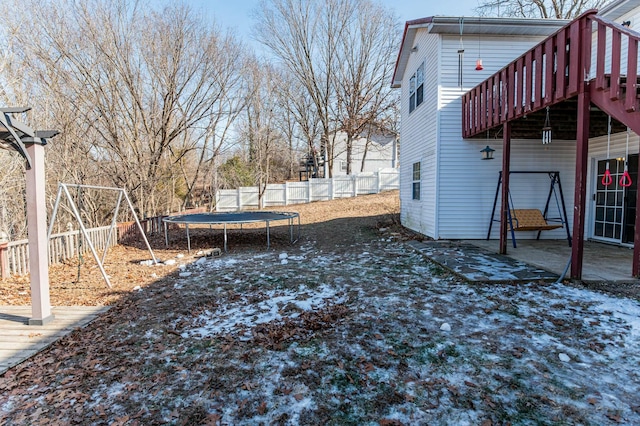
<point>533,219</point>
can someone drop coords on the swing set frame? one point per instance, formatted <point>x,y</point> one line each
<point>554,177</point>
<point>63,188</point>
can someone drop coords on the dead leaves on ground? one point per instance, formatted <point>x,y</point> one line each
<point>272,335</point>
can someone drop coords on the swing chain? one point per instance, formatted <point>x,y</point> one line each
<point>606,178</point>
<point>625,179</point>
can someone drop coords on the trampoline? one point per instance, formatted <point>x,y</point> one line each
<point>238,218</point>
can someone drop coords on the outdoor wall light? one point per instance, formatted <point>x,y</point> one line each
<point>487,153</point>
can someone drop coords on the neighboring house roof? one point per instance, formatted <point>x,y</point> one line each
<point>381,139</point>
<point>381,136</point>
<point>615,9</point>
<point>470,25</point>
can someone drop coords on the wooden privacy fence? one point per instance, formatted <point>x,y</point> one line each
<point>307,191</point>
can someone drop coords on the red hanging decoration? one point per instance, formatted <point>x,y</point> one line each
<point>607,179</point>
<point>625,180</point>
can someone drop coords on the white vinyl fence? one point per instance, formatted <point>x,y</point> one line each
<point>283,194</point>
<point>62,246</point>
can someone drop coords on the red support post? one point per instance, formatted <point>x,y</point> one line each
<point>579,212</point>
<point>504,205</point>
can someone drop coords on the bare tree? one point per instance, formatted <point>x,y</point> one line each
<point>553,9</point>
<point>138,82</point>
<point>339,52</point>
<point>297,106</point>
<point>363,70</point>
<point>303,36</point>
<point>259,127</point>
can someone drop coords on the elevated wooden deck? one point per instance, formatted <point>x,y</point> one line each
<point>558,69</point>
<point>19,341</point>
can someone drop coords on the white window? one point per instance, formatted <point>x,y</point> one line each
<point>343,166</point>
<point>416,88</point>
<point>416,181</point>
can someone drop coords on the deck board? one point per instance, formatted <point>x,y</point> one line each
<point>19,341</point>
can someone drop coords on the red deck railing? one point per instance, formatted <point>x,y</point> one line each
<point>555,70</point>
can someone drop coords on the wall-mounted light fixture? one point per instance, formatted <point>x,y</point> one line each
<point>487,153</point>
<point>414,48</point>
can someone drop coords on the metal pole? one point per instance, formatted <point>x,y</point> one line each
<point>135,216</point>
<point>55,211</point>
<point>77,185</point>
<point>86,236</point>
<point>564,209</point>
<point>225,237</point>
<point>188,238</point>
<point>113,225</point>
<point>166,235</point>
<point>268,239</point>
<point>291,229</point>
<point>495,202</point>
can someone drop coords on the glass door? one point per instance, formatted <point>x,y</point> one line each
<point>609,202</point>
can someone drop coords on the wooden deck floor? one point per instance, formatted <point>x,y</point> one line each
<point>19,341</point>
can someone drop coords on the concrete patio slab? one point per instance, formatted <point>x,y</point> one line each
<point>476,264</point>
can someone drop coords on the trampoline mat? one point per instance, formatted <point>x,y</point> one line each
<point>233,217</point>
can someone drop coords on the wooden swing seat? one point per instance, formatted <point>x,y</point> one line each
<point>530,220</point>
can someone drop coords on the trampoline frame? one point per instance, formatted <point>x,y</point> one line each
<point>184,219</point>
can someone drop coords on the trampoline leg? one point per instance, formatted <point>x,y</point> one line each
<point>166,236</point>
<point>188,239</point>
<point>291,230</point>
<point>268,241</point>
<point>225,237</point>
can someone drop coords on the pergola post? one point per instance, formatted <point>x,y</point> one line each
<point>37,230</point>
<point>504,205</point>
<point>579,205</point>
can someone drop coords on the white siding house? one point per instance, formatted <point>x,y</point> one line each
<point>378,150</point>
<point>452,196</point>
